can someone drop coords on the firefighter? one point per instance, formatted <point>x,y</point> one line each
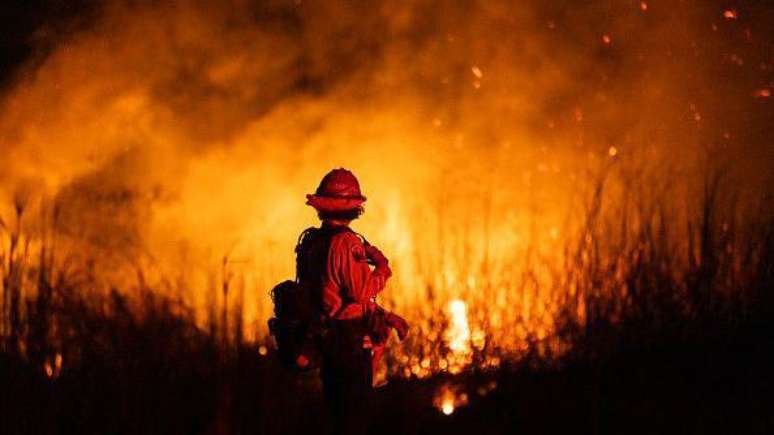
<point>344,273</point>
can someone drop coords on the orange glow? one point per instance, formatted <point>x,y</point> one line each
<point>170,148</point>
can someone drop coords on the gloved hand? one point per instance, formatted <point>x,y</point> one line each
<point>379,260</point>
<point>375,255</point>
<point>398,323</point>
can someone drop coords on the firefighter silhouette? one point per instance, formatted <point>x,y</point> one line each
<point>343,274</point>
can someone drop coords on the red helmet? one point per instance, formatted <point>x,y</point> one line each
<point>339,190</point>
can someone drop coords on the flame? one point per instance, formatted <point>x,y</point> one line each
<point>53,368</point>
<point>458,334</point>
<point>448,398</point>
<point>447,407</point>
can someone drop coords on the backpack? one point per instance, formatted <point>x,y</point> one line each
<point>299,323</point>
<point>291,326</point>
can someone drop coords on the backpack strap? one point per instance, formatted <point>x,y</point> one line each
<point>362,238</point>
<point>303,237</point>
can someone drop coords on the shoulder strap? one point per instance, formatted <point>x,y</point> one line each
<point>339,230</point>
<point>362,238</point>
<point>311,233</point>
<point>303,236</point>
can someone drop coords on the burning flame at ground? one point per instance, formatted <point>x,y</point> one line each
<point>458,333</point>
<point>457,337</point>
<point>448,398</point>
<point>53,370</point>
<point>447,406</point>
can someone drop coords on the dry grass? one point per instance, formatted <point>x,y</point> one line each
<point>638,275</point>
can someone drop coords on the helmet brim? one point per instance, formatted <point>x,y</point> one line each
<point>334,203</point>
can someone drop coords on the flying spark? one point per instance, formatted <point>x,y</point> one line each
<point>730,14</point>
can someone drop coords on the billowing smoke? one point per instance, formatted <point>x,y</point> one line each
<point>169,136</point>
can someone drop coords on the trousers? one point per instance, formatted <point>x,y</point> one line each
<point>347,376</point>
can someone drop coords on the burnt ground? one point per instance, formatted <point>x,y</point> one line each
<point>721,383</point>
<point>721,387</point>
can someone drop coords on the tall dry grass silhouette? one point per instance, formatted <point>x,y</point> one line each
<point>639,275</point>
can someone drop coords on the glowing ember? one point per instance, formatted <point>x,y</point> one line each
<point>730,14</point>
<point>763,93</point>
<point>53,368</point>
<point>477,71</point>
<point>606,39</point>
<point>612,151</point>
<point>644,6</point>
<point>487,388</point>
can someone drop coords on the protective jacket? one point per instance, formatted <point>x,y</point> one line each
<point>334,263</point>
